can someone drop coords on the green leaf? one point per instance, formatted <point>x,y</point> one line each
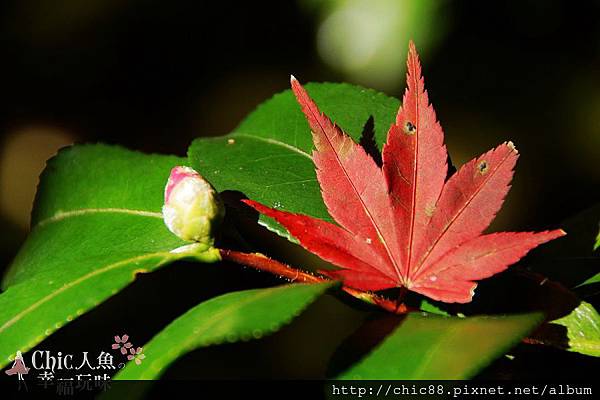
<point>589,281</point>
<point>583,329</point>
<point>429,306</point>
<point>244,315</point>
<point>96,224</point>
<point>595,278</point>
<point>427,346</point>
<point>267,157</point>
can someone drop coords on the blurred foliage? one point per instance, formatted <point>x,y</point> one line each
<point>367,40</point>
<point>424,346</point>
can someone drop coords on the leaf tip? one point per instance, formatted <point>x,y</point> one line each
<point>512,146</point>
<point>413,72</point>
<point>411,46</point>
<point>413,55</point>
<point>299,92</point>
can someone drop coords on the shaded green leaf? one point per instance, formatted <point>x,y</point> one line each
<point>267,157</point>
<point>96,224</point>
<point>595,278</point>
<point>231,317</point>
<point>583,329</point>
<point>427,346</point>
<point>591,280</point>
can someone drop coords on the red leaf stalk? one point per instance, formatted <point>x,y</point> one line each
<point>263,263</point>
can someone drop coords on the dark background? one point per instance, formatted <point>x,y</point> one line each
<point>154,75</point>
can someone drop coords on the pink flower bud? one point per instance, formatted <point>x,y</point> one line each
<point>192,209</point>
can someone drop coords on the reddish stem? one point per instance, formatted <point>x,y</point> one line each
<point>263,263</point>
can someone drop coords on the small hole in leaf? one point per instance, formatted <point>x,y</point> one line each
<point>482,167</point>
<point>410,128</point>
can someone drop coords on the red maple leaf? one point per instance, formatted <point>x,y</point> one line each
<point>404,225</point>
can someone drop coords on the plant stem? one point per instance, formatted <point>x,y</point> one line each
<point>263,263</point>
<point>401,295</point>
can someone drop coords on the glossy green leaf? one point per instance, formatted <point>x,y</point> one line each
<point>427,346</point>
<point>244,315</point>
<point>267,157</point>
<point>96,224</point>
<point>583,329</point>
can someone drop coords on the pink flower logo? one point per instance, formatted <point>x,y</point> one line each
<point>136,354</point>
<point>122,343</point>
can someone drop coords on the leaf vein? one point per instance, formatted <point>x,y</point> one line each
<point>275,142</point>
<point>77,281</point>
<point>60,215</point>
